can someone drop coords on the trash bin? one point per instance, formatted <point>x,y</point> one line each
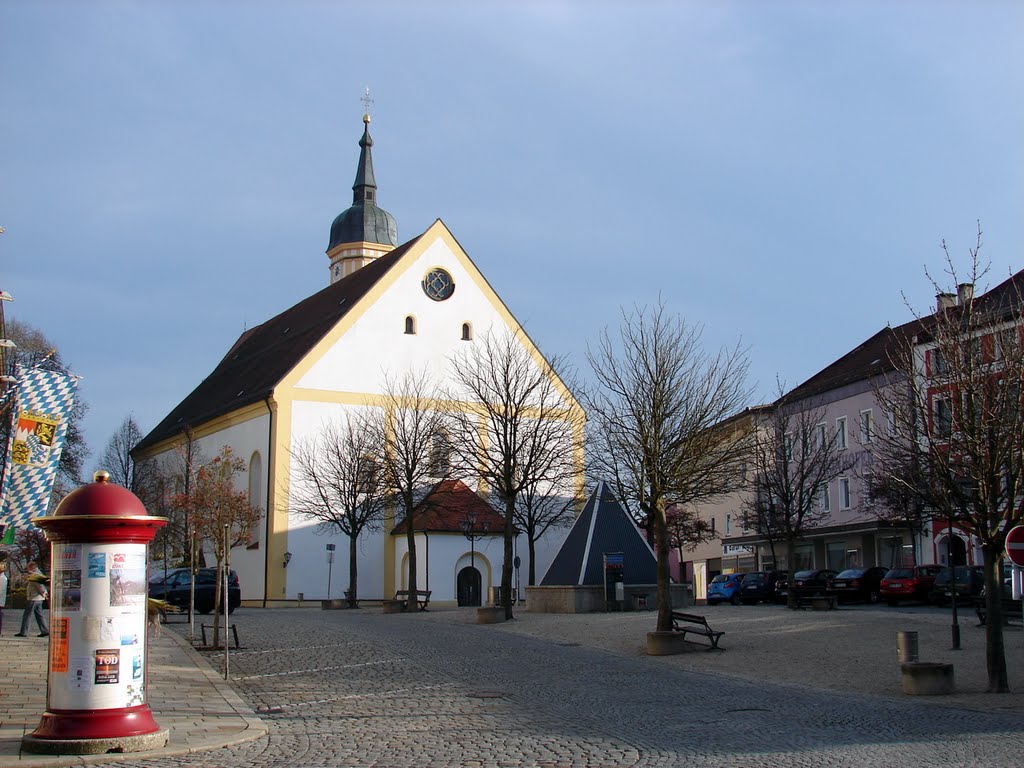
<point>906,647</point>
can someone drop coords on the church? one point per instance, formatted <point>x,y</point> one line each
<point>389,308</point>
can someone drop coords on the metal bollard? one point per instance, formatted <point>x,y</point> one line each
<point>906,646</point>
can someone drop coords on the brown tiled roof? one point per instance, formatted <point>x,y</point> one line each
<point>263,355</point>
<point>870,358</point>
<point>447,505</point>
<point>874,356</point>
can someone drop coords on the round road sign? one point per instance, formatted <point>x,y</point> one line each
<point>1015,545</point>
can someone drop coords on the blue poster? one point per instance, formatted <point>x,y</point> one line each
<point>97,565</point>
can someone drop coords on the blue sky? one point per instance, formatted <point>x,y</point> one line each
<point>780,172</point>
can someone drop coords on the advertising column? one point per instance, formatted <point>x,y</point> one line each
<point>95,693</point>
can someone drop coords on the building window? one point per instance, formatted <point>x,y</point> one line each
<point>823,501</point>
<point>728,525</point>
<point>867,426</point>
<point>844,493</point>
<point>938,362</point>
<point>788,444</point>
<point>467,332</point>
<point>712,525</point>
<point>821,433</point>
<point>440,455</point>
<point>255,496</point>
<point>867,490</point>
<point>410,325</point>
<point>841,433</point>
<point>942,417</point>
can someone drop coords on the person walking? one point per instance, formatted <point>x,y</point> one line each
<point>3,590</point>
<point>35,593</point>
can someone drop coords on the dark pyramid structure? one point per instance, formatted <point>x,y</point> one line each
<point>603,527</point>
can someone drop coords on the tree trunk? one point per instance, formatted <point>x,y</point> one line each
<point>353,580</point>
<point>532,548</point>
<point>662,550</point>
<point>506,567</point>
<point>217,597</point>
<point>410,538</point>
<point>995,652</point>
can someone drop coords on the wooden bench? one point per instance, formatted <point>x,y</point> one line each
<point>698,625</point>
<point>422,598</point>
<point>1011,610</point>
<point>818,602</point>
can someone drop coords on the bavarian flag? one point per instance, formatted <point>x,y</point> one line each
<point>39,424</point>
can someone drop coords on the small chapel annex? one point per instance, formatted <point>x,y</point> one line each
<point>389,307</point>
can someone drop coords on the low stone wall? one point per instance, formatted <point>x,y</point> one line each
<point>590,599</point>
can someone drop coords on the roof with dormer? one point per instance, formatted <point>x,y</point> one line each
<point>263,355</point>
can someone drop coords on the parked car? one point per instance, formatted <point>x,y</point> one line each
<point>857,584</point>
<point>782,589</point>
<point>812,582</point>
<point>725,587</point>
<point>175,588</point>
<point>969,582</point>
<point>910,583</point>
<point>760,586</point>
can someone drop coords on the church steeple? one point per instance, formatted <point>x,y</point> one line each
<point>362,232</point>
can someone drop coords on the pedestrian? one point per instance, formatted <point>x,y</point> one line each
<point>35,593</point>
<point>3,591</point>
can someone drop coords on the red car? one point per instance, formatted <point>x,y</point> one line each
<point>912,582</point>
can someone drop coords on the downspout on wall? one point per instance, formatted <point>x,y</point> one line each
<point>266,534</point>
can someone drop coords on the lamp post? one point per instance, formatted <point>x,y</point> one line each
<point>955,627</point>
<point>468,526</point>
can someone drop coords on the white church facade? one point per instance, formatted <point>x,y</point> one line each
<point>389,309</point>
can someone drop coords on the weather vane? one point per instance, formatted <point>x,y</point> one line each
<point>367,101</point>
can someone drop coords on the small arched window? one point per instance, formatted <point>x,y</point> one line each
<point>255,495</point>
<point>467,332</point>
<point>410,325</point>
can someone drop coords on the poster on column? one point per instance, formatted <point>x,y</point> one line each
<point>99,591</point>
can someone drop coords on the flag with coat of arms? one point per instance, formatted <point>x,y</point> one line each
<point>38,427</point>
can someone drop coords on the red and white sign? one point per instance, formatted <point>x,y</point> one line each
<point>1015,545</point>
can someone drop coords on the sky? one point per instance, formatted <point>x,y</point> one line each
<point>780,173</point>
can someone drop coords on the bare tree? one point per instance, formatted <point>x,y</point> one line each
<point>408,434</point>
<point>794,458</point>
<point>548,503</point>
<point>659,421</point>
<point>221,515</point>
<point>340,484</point>
<point>964,415</point>
<point>117,456</point>
<point>161,485</point>
<point>686,529</point>
<point>518,432</point>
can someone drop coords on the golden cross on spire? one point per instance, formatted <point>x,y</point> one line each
<point>367,101</point>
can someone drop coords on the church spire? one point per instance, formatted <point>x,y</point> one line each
<point>362,232</point>
<point>365,187</point>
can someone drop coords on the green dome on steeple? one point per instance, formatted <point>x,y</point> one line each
<point>364,221</point>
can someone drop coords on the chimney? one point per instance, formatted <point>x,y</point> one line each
<point>964,293</point>
<point>944,301</point>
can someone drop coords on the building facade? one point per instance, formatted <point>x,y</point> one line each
<point>389,309</point>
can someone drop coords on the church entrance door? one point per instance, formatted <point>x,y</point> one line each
<point>467,586</point>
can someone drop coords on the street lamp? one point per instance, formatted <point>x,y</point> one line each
<point>468,526</point>
<point>955,627</point>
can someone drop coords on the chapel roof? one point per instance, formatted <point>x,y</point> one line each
<point>264,354</point>
<point>447,504</point>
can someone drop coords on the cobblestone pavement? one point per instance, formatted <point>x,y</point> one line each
<point>359,688</point>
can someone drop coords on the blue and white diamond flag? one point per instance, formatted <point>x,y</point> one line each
<point>39,424</point>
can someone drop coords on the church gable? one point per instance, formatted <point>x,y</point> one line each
<point>421,315</point>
